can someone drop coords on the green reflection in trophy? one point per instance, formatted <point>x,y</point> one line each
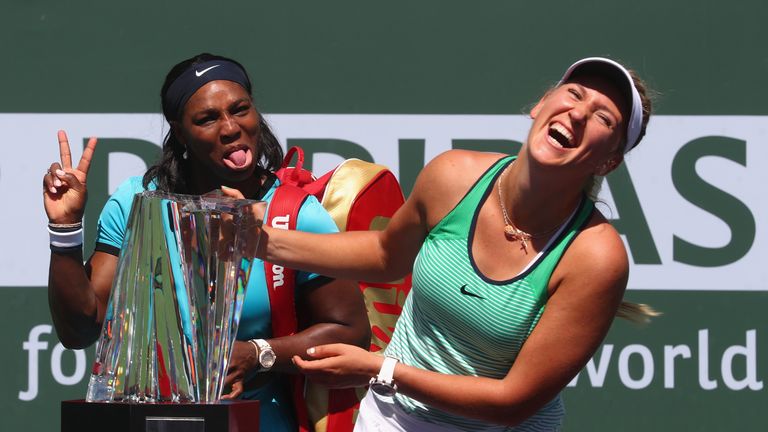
<point>176,299</point>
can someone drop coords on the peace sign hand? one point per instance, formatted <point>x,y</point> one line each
<point>64,191</point>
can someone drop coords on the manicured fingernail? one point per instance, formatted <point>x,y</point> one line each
<point>52,189</point>
<point>60,173</point>
<point>57,182</point>
<point>311,351</point>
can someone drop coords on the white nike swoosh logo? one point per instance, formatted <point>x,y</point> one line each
<point>200,73</point>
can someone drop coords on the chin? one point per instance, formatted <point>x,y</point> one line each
<point>547,155</point>
<point>239,174</point>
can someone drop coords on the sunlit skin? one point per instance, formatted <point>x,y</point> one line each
<point>220,130</point>
<point>587,113</point>
<point>577,131</point>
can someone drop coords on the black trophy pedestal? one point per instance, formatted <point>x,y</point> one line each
<point>226,416</point>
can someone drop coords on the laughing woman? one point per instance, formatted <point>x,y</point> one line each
<point>217,138</point>
<point>516,276</point>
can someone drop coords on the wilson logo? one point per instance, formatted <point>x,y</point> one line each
<point>281,222</point>
<point>278,278</point>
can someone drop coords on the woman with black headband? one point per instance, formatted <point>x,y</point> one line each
<point>516,276</point>
<point>217,139</point>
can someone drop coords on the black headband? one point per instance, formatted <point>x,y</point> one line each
<point>197,76</point>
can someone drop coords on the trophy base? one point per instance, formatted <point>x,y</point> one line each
<point>225,416</point>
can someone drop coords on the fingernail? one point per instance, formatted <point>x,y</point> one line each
<point>311,351</point>
<point>60,172</point>
<point>57,182</point>
<point>225,187</point>
<point>52,189</point>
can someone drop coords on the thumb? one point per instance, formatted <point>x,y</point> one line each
<point>69,179</point>
<point>237,390</point>
<point>232,192</point>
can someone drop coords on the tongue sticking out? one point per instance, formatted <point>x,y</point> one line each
<point>237,158</point>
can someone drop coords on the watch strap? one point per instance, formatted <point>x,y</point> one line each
<point>263,348</point>
<point>262,344</point>
<point>387,371</point>
<point>256,346</point>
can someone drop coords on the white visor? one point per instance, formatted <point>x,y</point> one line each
<point>635,123</point>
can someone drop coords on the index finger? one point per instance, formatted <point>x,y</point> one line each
<point>85,159</point>
<point>64,152</point>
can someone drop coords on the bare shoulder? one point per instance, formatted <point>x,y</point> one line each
<point>597,260</point>
<point>447,178</point>
<point>456,169</point>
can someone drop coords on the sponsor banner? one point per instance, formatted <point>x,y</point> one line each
<point>703,357</point>
<point>700,366</point>
<point>687,201</point>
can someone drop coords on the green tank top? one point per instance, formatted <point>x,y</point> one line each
<point>458,321</point>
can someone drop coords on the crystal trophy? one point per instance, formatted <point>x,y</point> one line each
<point>176,299</point>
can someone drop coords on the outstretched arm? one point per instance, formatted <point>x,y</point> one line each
<point>375,256</point>
<point>327,311</point>
<point>380,255</point>
<point>353,255</point>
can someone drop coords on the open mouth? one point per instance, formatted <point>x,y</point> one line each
<point>239,158</point>
<point>561,136</point>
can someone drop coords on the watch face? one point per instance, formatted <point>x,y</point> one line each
<point>383,389</point>
<point>267,358</point>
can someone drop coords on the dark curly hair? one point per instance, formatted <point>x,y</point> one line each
<point>172,172</point>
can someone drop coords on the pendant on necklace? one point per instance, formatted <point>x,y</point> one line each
<point>514,234</point>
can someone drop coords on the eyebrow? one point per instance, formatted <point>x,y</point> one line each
<point>599,105</point>
<point>210,109</point>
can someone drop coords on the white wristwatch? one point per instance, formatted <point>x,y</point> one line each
<point>384,383</point>
<point>265,354</point>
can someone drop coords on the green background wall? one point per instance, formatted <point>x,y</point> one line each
<point>427,57</point>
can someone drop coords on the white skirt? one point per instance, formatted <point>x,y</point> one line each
<point>381,414</point>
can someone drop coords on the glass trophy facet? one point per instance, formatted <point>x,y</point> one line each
<point>176,299</point>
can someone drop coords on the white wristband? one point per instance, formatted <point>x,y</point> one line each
<point>66,239</point>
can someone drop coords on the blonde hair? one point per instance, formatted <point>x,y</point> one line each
<point>592,186</point>
<point>638,313</point>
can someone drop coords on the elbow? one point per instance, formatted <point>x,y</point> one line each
<point>391,269</point>
<point>357,332</point>
<point>74,342</point>
<point>525,410</point>
<point>511,416</point>
<point>390,265</point>
<point>512,410</point>
<point>514,420</point>
<point>76,339</point>
<point>362,337</point>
